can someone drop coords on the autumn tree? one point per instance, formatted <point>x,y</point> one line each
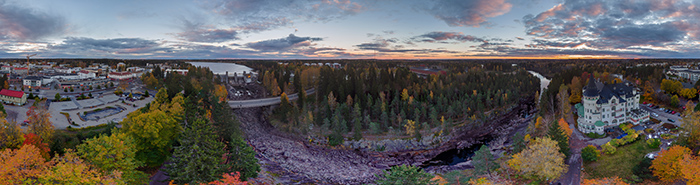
<point>541,160</point>
<point>39,123</point>
<point>565,127</point>
<point>229,179</point>
<point>563,96</point>
<point>604,181</point>
<point>675,101</point>
<point>689,93</point>
<point>648,91</point>
<point>10,135</point>
<point>153,133</point>
<point>483,161</point>
<point>691,126</point>
<point>404,174</point>
<point>667,165</point>
<point>410,127</point>
<point>113,154</point>
<point>690,168</point>
<point>70,169</point>
<point>609,149</point>
<point>33,139</point>
<point>199,157</point>
<point>20,165</point>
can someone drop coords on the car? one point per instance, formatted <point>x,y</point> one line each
<point>662,109</point>
<point>656,106</point>
<point>671,120</point>
<point>683,107</point>
<point>668,111</point>
<point>654,114</point>
<point>651,105</point>
<point>644,103</point>
<point>673,112</point>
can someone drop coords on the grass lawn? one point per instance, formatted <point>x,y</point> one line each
<point>619,164</point>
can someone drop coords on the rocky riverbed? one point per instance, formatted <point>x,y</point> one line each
<point>290,159</point>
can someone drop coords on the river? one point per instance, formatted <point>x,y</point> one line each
<point>544,82</point>
<point>221,68</point>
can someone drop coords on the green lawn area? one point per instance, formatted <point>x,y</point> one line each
<point>619,164</point>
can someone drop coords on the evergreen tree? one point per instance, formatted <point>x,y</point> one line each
<point>198,158</point>
<point>483,161</point>
<point>242,159</point>
<point>557,134</point>
<point>357,122</point>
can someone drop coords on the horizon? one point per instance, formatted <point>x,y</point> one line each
<point>350,29</point>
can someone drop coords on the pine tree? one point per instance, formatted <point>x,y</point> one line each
<point>483,161</point>
<point>198,158</point>
<point>244,160</point>
<point>557,134</point>
<point>357,122</point>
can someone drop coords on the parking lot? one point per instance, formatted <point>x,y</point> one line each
<point>661,115</point>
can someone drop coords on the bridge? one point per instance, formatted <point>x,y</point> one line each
<point>264,101</point>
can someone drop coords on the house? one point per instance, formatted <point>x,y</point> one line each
<point>178,71</point>
<point>120,75</point>
<point>32,82</point>
<point>20,70</point>
<point>607,105</point>
<point>13,97</point>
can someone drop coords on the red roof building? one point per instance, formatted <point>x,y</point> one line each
<point>13,97</point>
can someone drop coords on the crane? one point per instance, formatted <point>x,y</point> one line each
<point>29,56</point>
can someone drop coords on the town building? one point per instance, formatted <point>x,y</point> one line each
<point>83,74</point>
<point>607,105</point>
<point>178,71</point>
<point>120,75</point>
<point>31,81</point>
<point>20,70</point>
<point>13,97</point>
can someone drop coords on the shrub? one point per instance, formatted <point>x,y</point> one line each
<point>653,143</point>
<point>590,153</point>
<point>335,139</point>
<point>609,149</point>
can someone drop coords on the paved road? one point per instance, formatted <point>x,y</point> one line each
<point>263,101</point>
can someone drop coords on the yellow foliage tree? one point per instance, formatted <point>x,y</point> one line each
<point>540,160</point>
<point>689,93</point>
<point>39,123</point>
<point>604,181</point>
<point>410,127</point>
<point>221,92</point>
<point>691,126</point>
<point>70,169</point>
<point>539,122</point>
<point>10,135</point>
<point>404,94</point>
<point>667,166</point>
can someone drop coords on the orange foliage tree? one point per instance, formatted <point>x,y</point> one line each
<point>33,139</point>
<point>690,168</point>
<point>565,127</point>
<point>19,166</point>
<point>667,165</point>
<point>604,181</point>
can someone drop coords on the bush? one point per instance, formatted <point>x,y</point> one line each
<point>404,175</point>
<point>653,143</point>
<point>609,149</point>
<point>590,153</point>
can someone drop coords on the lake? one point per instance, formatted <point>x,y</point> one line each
<point>221,68</point>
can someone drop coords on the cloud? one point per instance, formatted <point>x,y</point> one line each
<point>618,24</point>
<point>136,14</point>
<point>84,45</point>
<point>282,44</point>
<point>21,23</point>
<point>471,13</point>
<point>439,36</point>
<point>270,14</point>
<point>389,46</point>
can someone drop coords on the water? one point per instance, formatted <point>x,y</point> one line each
<point>544,82</point>
<point>221,68</point>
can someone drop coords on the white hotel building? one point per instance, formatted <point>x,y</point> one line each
<point>607,105</point>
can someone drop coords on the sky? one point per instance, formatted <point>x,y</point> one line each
<point>348,29</point>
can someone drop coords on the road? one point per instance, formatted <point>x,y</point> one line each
<point>264,101</point>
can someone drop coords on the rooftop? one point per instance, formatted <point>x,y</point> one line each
<point>11,93</point>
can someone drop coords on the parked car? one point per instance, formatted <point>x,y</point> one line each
<point>673,112</point>
<point>672,121</point>
<point>654,115</point>
<point>662,109</point>
<point>644,103</point>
